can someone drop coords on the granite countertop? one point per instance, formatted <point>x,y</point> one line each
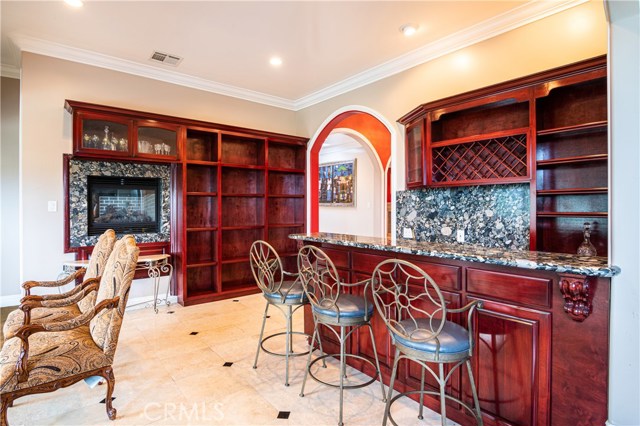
<point>558,262</point>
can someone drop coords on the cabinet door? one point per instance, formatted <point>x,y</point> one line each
<point>511,364</point>
<point>157,141</point>
<point>414,154</point>
<point>102,135</point>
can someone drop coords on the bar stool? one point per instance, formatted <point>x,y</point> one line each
<point>331,307</point>
<point>285,294</point>
<point>415,313</point>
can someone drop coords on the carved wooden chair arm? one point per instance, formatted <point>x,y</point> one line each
<point>84,290</point>
<point>75,290</point>
<point>26,331</point>
<point>28,285</point>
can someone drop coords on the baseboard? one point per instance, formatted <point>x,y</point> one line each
<point>10,300</point>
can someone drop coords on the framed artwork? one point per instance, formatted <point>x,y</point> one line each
<point>337,184</point>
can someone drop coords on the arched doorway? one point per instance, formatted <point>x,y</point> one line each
<point>361,120</point>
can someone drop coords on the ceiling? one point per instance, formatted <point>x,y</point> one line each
<point>327,47</point>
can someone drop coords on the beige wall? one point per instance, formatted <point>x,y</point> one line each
<point>9,185</point>
<point>46,135</point>
<point>576,34</point>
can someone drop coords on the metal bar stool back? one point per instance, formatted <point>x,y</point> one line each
<point>416,315</point>
<point>281,289</point>
<point>331,305</point>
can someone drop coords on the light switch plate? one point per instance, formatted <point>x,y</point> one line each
<point>407,233</point>
<point>52,206</point>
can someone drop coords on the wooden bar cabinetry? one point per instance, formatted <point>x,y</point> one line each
<point>535,363</point>
<point>547,129</point>
<point>230,186</point>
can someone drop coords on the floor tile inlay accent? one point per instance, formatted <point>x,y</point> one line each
<point>193,333</point>
<point>227,364</point>
<point>104,400</point>
<point>284,414</point>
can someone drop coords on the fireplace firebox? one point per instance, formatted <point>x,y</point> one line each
<point>126,205</point>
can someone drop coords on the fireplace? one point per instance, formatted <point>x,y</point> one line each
<point>128,205</point>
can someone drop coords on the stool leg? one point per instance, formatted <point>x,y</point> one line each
<point>375,355</point>
<point>474,392</point>
<point>288,346</point>
<point>264,320</point>
<point>306,370</point>
<point>443,399</point>
<point>396,360</point>
<point>420,416</point>
<point>342,372</point>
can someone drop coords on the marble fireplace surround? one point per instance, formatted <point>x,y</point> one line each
<point>78,170</point>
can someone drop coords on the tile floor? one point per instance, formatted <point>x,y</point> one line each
<point>166,374</point>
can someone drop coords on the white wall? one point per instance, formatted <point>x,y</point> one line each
<point>624,73</point>
<point>9,194</point>
<point>365,218</point>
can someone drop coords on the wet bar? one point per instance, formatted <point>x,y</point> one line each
<point>542,335</point>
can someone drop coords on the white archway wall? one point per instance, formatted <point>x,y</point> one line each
<point>366,217</point>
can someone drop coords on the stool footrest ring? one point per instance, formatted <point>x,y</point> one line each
<point>435,393</point>
<point>361,385</point>
<point>284,333</point>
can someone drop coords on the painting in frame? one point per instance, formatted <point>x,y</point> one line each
<point>337,184</point>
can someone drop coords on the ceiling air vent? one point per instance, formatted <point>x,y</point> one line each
<point>166,58</point>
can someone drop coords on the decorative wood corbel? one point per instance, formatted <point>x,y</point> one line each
<point>577,291</point>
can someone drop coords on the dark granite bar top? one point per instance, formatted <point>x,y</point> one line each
<point>558,262</point>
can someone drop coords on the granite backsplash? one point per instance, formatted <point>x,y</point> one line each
<point>490,215</point>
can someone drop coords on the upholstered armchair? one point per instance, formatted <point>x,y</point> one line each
<point>46,356</point>
<point>61,307</point>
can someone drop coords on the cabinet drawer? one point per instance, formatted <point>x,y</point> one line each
<point>445,276</point>
<point>366,262</point>
<point>514,288</point>
<point>340,258</point>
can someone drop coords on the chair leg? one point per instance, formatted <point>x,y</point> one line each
<point>306,370</point>
<point>264,320</point>
<point>375,355</point>
<point>342,372</point>
<point>4,406</point>
<point>111,383</point>
<point>288,345</point>
<point>396,360</point>
<point>474,392</point>
<point>443,398</point>
<point>420,416</point>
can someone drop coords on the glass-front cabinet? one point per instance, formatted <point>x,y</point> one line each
<point>156,140</point>
<point>415,154</point>
<point>104,132</point>
<point>103,135</point>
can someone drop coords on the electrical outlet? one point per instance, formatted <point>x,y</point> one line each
<point>460,235</point>
<point>52,206</point>
<point>407,233</point>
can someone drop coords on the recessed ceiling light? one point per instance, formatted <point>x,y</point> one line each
<point>409,29</point>
<point>74,3</point>
<point>275,61</point>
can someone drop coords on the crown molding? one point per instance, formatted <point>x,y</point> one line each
<point>60,51</point>
<point>9,71</point>
<point>515,18</point>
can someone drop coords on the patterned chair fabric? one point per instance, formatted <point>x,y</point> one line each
<point>96,265</point>
<point>62,353</point>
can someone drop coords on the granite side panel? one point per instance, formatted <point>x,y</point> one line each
<point>494,216</point>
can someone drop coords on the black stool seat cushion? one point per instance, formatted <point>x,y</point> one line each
<point>349,306</point>
<point>453,338</point>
